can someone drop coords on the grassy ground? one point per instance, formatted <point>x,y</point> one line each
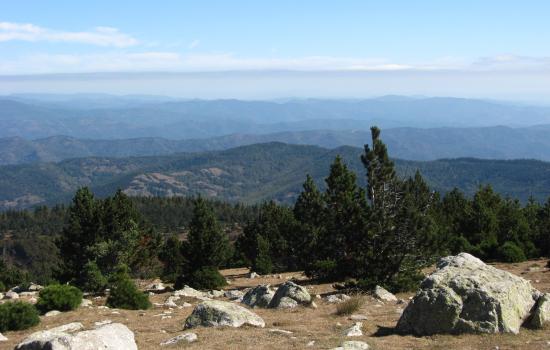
<point>321,325</point>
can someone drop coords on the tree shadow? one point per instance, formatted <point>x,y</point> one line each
<point>385,331</point>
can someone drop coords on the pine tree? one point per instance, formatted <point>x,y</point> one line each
<point>308,211</point>
<point>81,232</point>
<point>207,245</point>
<point>343,218</point>
<point>400,229</point>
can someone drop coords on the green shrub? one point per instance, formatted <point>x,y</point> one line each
<point>2,287</point>
<point>18,315</point>
<point>350,306</point>
<point>59,297</point>
<point>511,252</point>
<point>91,279</point>
<point>203,278</point>
<point>124,293</point>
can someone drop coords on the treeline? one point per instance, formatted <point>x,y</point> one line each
<point>383,233</point>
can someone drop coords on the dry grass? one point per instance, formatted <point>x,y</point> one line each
<point>350,306</point>
<point>321,325</point>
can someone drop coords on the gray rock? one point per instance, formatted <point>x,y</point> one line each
<point>355,330</point>
<point>259,296</point>
<point>35,287</point>
<point>113,336</point>
<point>464,295</point>
<point>289,295</point>
<point>191,293</point>
<point>337,298</point>
<point>186,337</point>
<point>156,287</point>
<point>215,293</point>
<point>53,338</point>
<point>215,313</point>
<point>11,295</point>
<point>52,313</point>
<point>541,315</point>
<point>382,294</point>
<point>86,303</point>
<point>233,294</point>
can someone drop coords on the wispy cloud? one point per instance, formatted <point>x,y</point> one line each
<point>194,44</point>
<point>99,36</point>
<point>196,62</point>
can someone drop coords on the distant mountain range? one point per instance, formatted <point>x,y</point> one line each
<point>405,143</point>
<point>111,117</point>
<point>249,174</point>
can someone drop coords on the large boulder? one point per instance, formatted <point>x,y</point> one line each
<point>259,296</point>
<point>215,313</point>
<point>464,295</point>
<point>541,315</point>
<point>113,336</point>
<point>290,295</point>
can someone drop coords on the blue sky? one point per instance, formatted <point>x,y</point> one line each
<point>496,39</point>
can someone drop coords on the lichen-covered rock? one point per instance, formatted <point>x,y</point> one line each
<point>383,294</point>
<point>259,296</point>
<point>189,292</point>
<point>113,336</point>
<point>53,338</point>
<point>464,295</point>
<point>214,313</point>
<point>289,295</point>
<point>541,315</point>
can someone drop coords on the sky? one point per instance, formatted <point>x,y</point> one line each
<point>271,49</point>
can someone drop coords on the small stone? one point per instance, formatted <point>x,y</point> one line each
<point>253,275</point>
<point>86,303</point>
<point>188,337</point>
<point>358,317</point>
<point>355,345</point>
<point>102,323</point>
<point>382,294</point>
<point>52,313</point>
<point>355,330</point>
<point>3,338</point>
<point>279,331</point>
<point>311,343</point>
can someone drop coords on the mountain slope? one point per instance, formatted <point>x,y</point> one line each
<point>249,174</point>
<point>406,143</point>
<point>186,119</point>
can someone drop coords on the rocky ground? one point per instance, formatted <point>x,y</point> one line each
<point>320,327</point>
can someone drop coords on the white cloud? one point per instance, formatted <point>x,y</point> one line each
<point>100,36</point>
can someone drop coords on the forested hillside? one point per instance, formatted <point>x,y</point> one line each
<point>249,174</point>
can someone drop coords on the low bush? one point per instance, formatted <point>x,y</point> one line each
<point>15,316</point>
<point>511,252</point>
<point>350,306</point>
<point>203,278</point>
<point>59,297</point>
<point>91,279</point>
<point>124,294</point>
